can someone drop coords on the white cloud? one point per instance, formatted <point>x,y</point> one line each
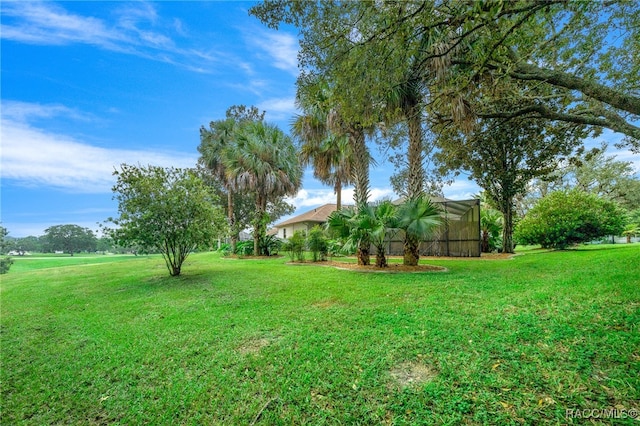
<point>138,31</point>
<point>279,108</point>
<point>25,111</point>
<point>628,156</point>
<point>461,189</point>
<point>309,198</point>
<point>35,157</point>
<point>50,24</point>
<point>281,47</point>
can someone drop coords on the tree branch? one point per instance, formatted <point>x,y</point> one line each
<point>606,119</point>
<point>595,90</point>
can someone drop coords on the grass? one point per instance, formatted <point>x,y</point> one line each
<point>237,341</point>
<point>47,260</point>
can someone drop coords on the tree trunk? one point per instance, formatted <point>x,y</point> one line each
<point>411,250</point>
<point>507,228</point>
<point>232,221</point>
<point>360,167</point>
<point>259,228</point>
<point>381,259</point>
<point>175,271</point>
<point>337,188</point>
<point>361,185</point>
<point>415,183</point>
<point>485,242</point>
<point>364,252</point>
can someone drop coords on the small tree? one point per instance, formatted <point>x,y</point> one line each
<point>165,209</point>
<point>565,218</point>
<point>347,225</point>
<point>70,238</point>
<point>5,262</point>
<point>382,221</point>
<point>318,244</point>
<point>419,218</point>
<point>295,246</point>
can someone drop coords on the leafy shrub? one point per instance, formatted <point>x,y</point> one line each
<point>5,264</point>
<point>269,245</point>
<point>295,246</point>
<point>318,244</point>
<point>565,218</point>
<point>335,247</point>
<point>244,248</point>
<point>490,230</point>
<point>224,248</point>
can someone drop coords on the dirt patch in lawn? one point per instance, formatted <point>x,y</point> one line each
<point>253,346</point>
<point>411,375</point>
<point>325,304</point>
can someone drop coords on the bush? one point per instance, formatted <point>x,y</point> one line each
<point>295,246</point>
<point>335,248</point>
<point>225,249</point>
<point>318,244</point>
<point>565,218</point>
<point>269,245</point>
<point>244,248</point>
<point>5,264</point>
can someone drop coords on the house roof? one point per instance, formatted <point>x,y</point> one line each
<point>318,215</point>
<point>453,209</point>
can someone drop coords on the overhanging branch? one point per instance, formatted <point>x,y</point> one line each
<point>609,120</point>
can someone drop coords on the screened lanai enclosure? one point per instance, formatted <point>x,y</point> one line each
<point>459,235</point>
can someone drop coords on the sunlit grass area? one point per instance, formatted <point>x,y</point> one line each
<point>236,341</point>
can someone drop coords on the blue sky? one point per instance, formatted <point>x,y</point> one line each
<point>87,86</point>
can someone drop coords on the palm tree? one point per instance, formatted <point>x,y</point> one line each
<point>217,145</point>
<point>352,226</point>
<point>419,218</point>
<point>266,163</point>
<point>375,223</point>
<point>383,221</point>
<point>404,102</point>
<point>328,152</point>
<point>351,157</point>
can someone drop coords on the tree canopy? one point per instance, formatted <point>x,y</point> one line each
<point>218,143</point>
<point>565,218</point>
<point>267,165</point>
<point>70,238</point>
<point>503,155</point>
<point>167,210</point>
<point>581,55</point>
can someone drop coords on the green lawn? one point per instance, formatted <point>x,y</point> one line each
<point>116,340</point>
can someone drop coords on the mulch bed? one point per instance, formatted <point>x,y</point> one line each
<point>399,267</point>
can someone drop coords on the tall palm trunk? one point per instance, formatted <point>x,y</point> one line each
<point>415,157</point>
<point>415,184</point>
<point>361,185</point>
<point>259,225</point>
<point>337,188</point>
<point>232,221</point>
